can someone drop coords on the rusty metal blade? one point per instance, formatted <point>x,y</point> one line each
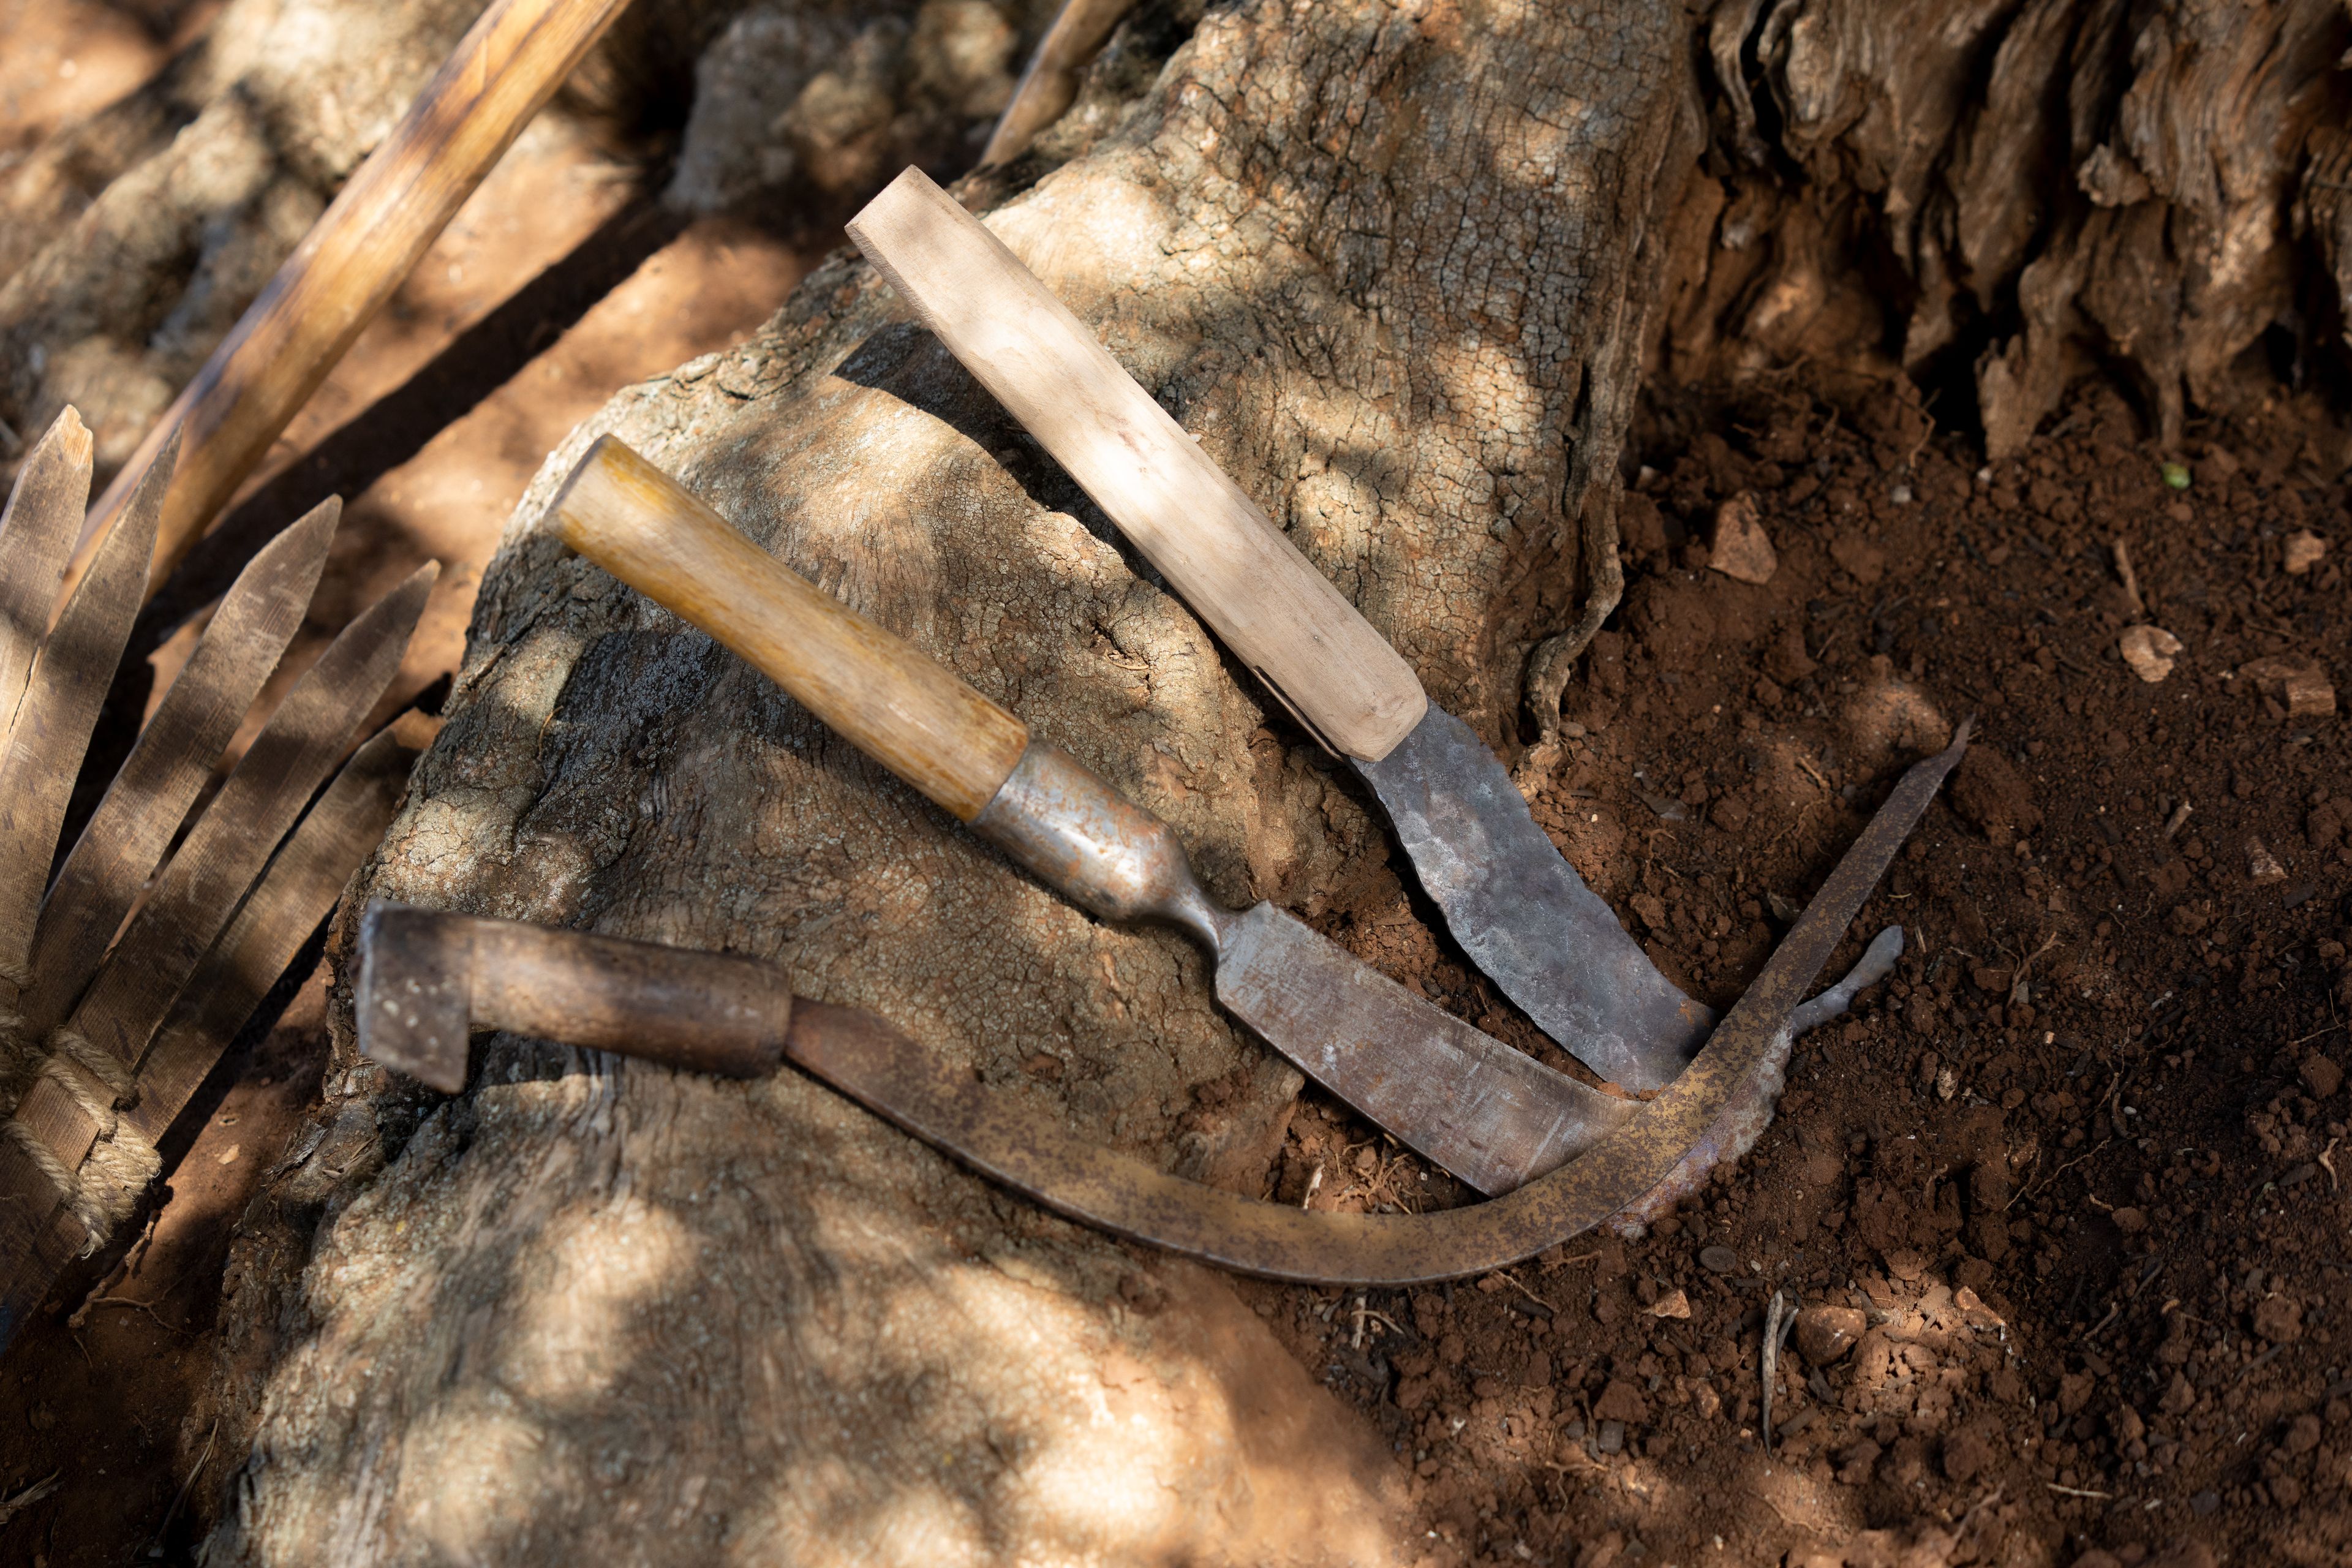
<point>37,1235</point>
<point>1495,1117</point>
<point>59,709</point>
<point>128,834</point>
<point>217,863</point>
<point>1524,916</point>
<point>873,1064</point>
<point>36,538</point>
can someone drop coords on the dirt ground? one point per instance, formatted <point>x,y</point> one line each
<point>2061,1204</point>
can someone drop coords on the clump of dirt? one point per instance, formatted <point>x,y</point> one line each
<point>2056,1216</point>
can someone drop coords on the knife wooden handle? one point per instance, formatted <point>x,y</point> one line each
<point>362,248</point>
<point>1269,603</point>
<point>900,708</point>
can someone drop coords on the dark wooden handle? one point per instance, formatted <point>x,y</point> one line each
<point>705,1012</point>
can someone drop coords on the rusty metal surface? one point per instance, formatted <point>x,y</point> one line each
<point>414,1002</point>
<point>1524,916</point>
<point>872,1063</point>
<point>1495,1117</point>
<point>1492,1115</point>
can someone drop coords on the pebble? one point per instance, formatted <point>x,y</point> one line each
<point>1826,1334</point>
<point>1612,1437</point>
<point>1741,550</point>
<point>2303,551</point>
<point>1673,1304</point>
<point>2149,650</point>
<point>1717,1260</point>
<point>2301,684</point>
<point>2263,868</point>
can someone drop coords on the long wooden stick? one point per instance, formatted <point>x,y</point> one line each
<point>355,256</point>
<point>1050,85</point>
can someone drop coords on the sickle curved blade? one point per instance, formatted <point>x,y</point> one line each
<point>1522,913</point>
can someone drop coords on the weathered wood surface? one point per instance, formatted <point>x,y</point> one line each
<point>1390,263</point>
<point>359,251</point>
<point>132,241</point>
<point>1272,609</point>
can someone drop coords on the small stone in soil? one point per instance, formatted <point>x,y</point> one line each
<point>1741,550</point>
<point>2149,650</point>
<point>2304,550</point>
<point>1717,1260</point>
<point>2263,867</point>
<point>1611,1439</point>
<point>2322,1075</point>
<point>1825,1333</point>
<point>2302,685</point>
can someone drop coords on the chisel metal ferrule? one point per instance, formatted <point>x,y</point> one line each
<point>1117,861</point>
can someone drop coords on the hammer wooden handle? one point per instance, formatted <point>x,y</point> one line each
<point>893,701</point>
<point>361,249</point>
<point>1228,561</point>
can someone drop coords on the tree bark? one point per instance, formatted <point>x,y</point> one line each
<point>1999,198</point>
<point>1390,263</point>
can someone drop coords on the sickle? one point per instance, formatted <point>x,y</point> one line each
<point>871,1062</point>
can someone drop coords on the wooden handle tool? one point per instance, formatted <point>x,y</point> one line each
<point>361,249</point>
<point>899,707</point>
<point>1227,560</point>
<point>427,976</point>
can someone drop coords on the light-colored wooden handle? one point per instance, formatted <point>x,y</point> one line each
<point>1222,554</point>
<point>361,249</point>
<point>899,707</point>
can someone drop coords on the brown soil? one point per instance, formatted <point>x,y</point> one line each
<point>2072,1177</point>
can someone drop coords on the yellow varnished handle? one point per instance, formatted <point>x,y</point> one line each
<point>896,705</point>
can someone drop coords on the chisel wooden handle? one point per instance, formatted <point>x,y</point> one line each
<point>1227,560</point>
<point>361,249</point>
<point>899,707</point>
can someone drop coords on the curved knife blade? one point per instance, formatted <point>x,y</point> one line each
<point>1522,913</point>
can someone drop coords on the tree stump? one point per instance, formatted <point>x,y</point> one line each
<point>1392,265</point>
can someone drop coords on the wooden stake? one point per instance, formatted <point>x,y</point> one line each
<point>1051,83</point>
<point>358,251</point>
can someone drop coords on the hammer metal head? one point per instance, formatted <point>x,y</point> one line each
<point>415,993</point>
